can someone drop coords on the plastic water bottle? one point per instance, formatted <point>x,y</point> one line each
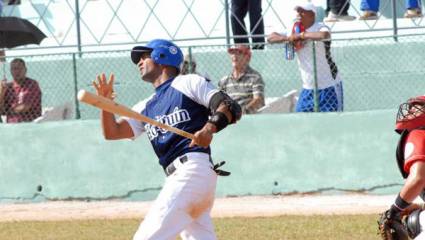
<point>289,51</point>
<point>289,46</point>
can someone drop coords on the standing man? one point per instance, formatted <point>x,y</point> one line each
<point>370,9</point>
<point>337,11</point>
<point>20,100</point>
<point>239,10</point>
<point>183,206</point>
<point>244,85</point>
<point>329,84</point>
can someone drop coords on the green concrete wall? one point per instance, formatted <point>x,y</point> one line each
<point>265,153</point>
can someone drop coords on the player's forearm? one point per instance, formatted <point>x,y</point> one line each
<point>113,129</point>
<point>110,126</point>
<point>224,109</point>
<point>211,128</point>
<point>415,182</point>
<point>412,189</point>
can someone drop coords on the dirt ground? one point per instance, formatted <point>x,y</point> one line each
<point>249,206</point>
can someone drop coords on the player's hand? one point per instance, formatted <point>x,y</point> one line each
<point>204,136</point>
<point>411,208</point>
<point>391,227</point>
<point>105,88</point>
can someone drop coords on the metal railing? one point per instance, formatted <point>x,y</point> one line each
<point>76,24</point>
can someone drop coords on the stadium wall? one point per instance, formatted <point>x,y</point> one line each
<point>267,154</point>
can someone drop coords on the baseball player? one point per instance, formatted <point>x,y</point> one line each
<point>410,154</point>
<point>329,83</point>
<point>188,102</point>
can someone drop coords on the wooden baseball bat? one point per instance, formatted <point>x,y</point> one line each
<point>115,108</point>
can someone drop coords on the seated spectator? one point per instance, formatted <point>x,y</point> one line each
<point>189,65</point>
<point>337,11</point>
<point>20,100</point>
<point>244,84</point>
<point>370,9</point>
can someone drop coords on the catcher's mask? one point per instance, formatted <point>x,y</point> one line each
<point>411,114</point>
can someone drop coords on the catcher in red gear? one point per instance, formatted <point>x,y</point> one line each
<point>410,124</point>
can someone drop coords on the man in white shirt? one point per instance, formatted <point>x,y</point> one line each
<point>324,70</point>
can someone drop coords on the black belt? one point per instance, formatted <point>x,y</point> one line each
<point>171,168</point>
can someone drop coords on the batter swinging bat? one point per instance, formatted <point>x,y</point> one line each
<point>113,107</point>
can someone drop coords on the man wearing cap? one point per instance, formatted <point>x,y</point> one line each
<point>187,102</point>
<point>245,85</point>
<point>328,83</point>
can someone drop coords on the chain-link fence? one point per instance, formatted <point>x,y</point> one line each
<point>377,73</point>
<point>74,23</point>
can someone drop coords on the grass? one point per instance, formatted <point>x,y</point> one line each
<point>341,227</point>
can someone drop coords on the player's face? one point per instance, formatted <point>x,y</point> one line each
<point>148,69</point>
<point>18,71</point>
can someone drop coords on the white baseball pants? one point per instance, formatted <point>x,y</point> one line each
<point>184,204</point>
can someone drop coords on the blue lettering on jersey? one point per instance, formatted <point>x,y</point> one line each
<point>172,107</point>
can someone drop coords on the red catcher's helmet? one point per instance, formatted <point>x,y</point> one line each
<point>411,114</point>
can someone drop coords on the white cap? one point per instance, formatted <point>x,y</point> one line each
<point>308,6</point>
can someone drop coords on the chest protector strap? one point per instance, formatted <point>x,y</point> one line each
<point>400,153</point>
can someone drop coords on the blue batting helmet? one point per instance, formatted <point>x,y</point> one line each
<point>162,52</point>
